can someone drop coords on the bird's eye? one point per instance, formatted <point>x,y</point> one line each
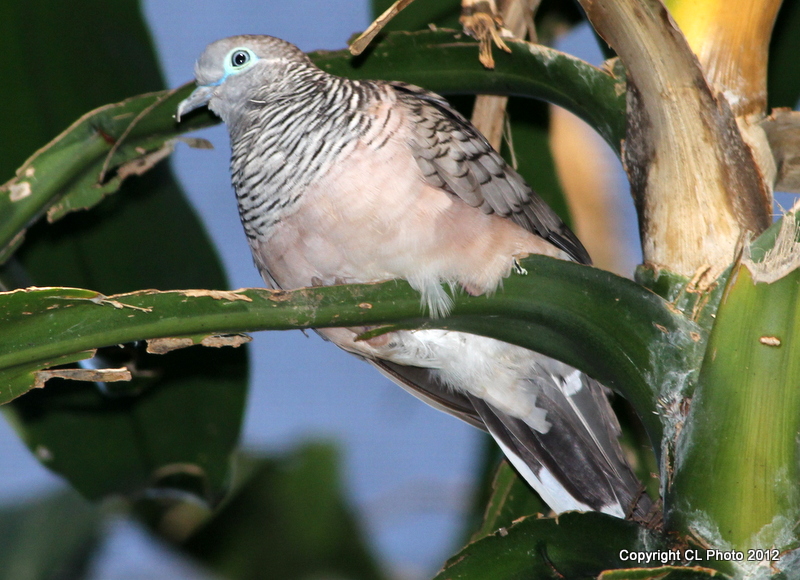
<point>240,58</point>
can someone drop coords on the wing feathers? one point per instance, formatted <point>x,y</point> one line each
<point>454,156</point>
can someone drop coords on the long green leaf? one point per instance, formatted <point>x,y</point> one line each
<point>164,432</point>
<point>574,546</point>
<point>447,62</point>
<point>187,411</point>
<point>606,325</point>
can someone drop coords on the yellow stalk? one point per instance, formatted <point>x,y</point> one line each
<point>731,40</point>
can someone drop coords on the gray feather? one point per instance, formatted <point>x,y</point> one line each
<point>465,161</point>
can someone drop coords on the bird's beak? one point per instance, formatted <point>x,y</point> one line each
<point>199,98</point>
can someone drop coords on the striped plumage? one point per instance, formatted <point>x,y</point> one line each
<point>360,181</point>
<point>275,126</point>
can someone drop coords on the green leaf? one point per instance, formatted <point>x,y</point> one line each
<point>603,324</point>
<point>737,457</point>
<point>48,538</point>
<point>574,545</point>
<point>288,520</point>
<point>199,395</point>
<point>59,61</point>
<point>86,54</point>
<point>89,160</point>
<point>24,377</point>
<point>447,62</point>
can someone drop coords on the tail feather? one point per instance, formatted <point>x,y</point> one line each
<point>572,458</point>
<point>572,466</point>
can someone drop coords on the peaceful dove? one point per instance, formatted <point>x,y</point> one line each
<point>345,181</point>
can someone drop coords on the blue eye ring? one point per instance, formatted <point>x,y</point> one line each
<point>240,58</point>
<point>236,61</point>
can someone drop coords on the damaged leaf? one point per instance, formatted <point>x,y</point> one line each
<point>217,294</point>
<point>99,375</point>
<point>91,158</point>
<point>545,309</point>
<point>232,340</point>
<point>482,21</point>
<point>137,166</point>
<point>165,345</point>
<point>17,380</point>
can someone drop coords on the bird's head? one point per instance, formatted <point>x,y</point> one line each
<point>232,70</point>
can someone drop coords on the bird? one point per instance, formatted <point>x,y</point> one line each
<point>355,181</point>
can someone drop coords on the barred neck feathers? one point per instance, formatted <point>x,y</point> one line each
<point>288,135</point>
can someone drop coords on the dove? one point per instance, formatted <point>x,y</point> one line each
<point>355,181</point>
